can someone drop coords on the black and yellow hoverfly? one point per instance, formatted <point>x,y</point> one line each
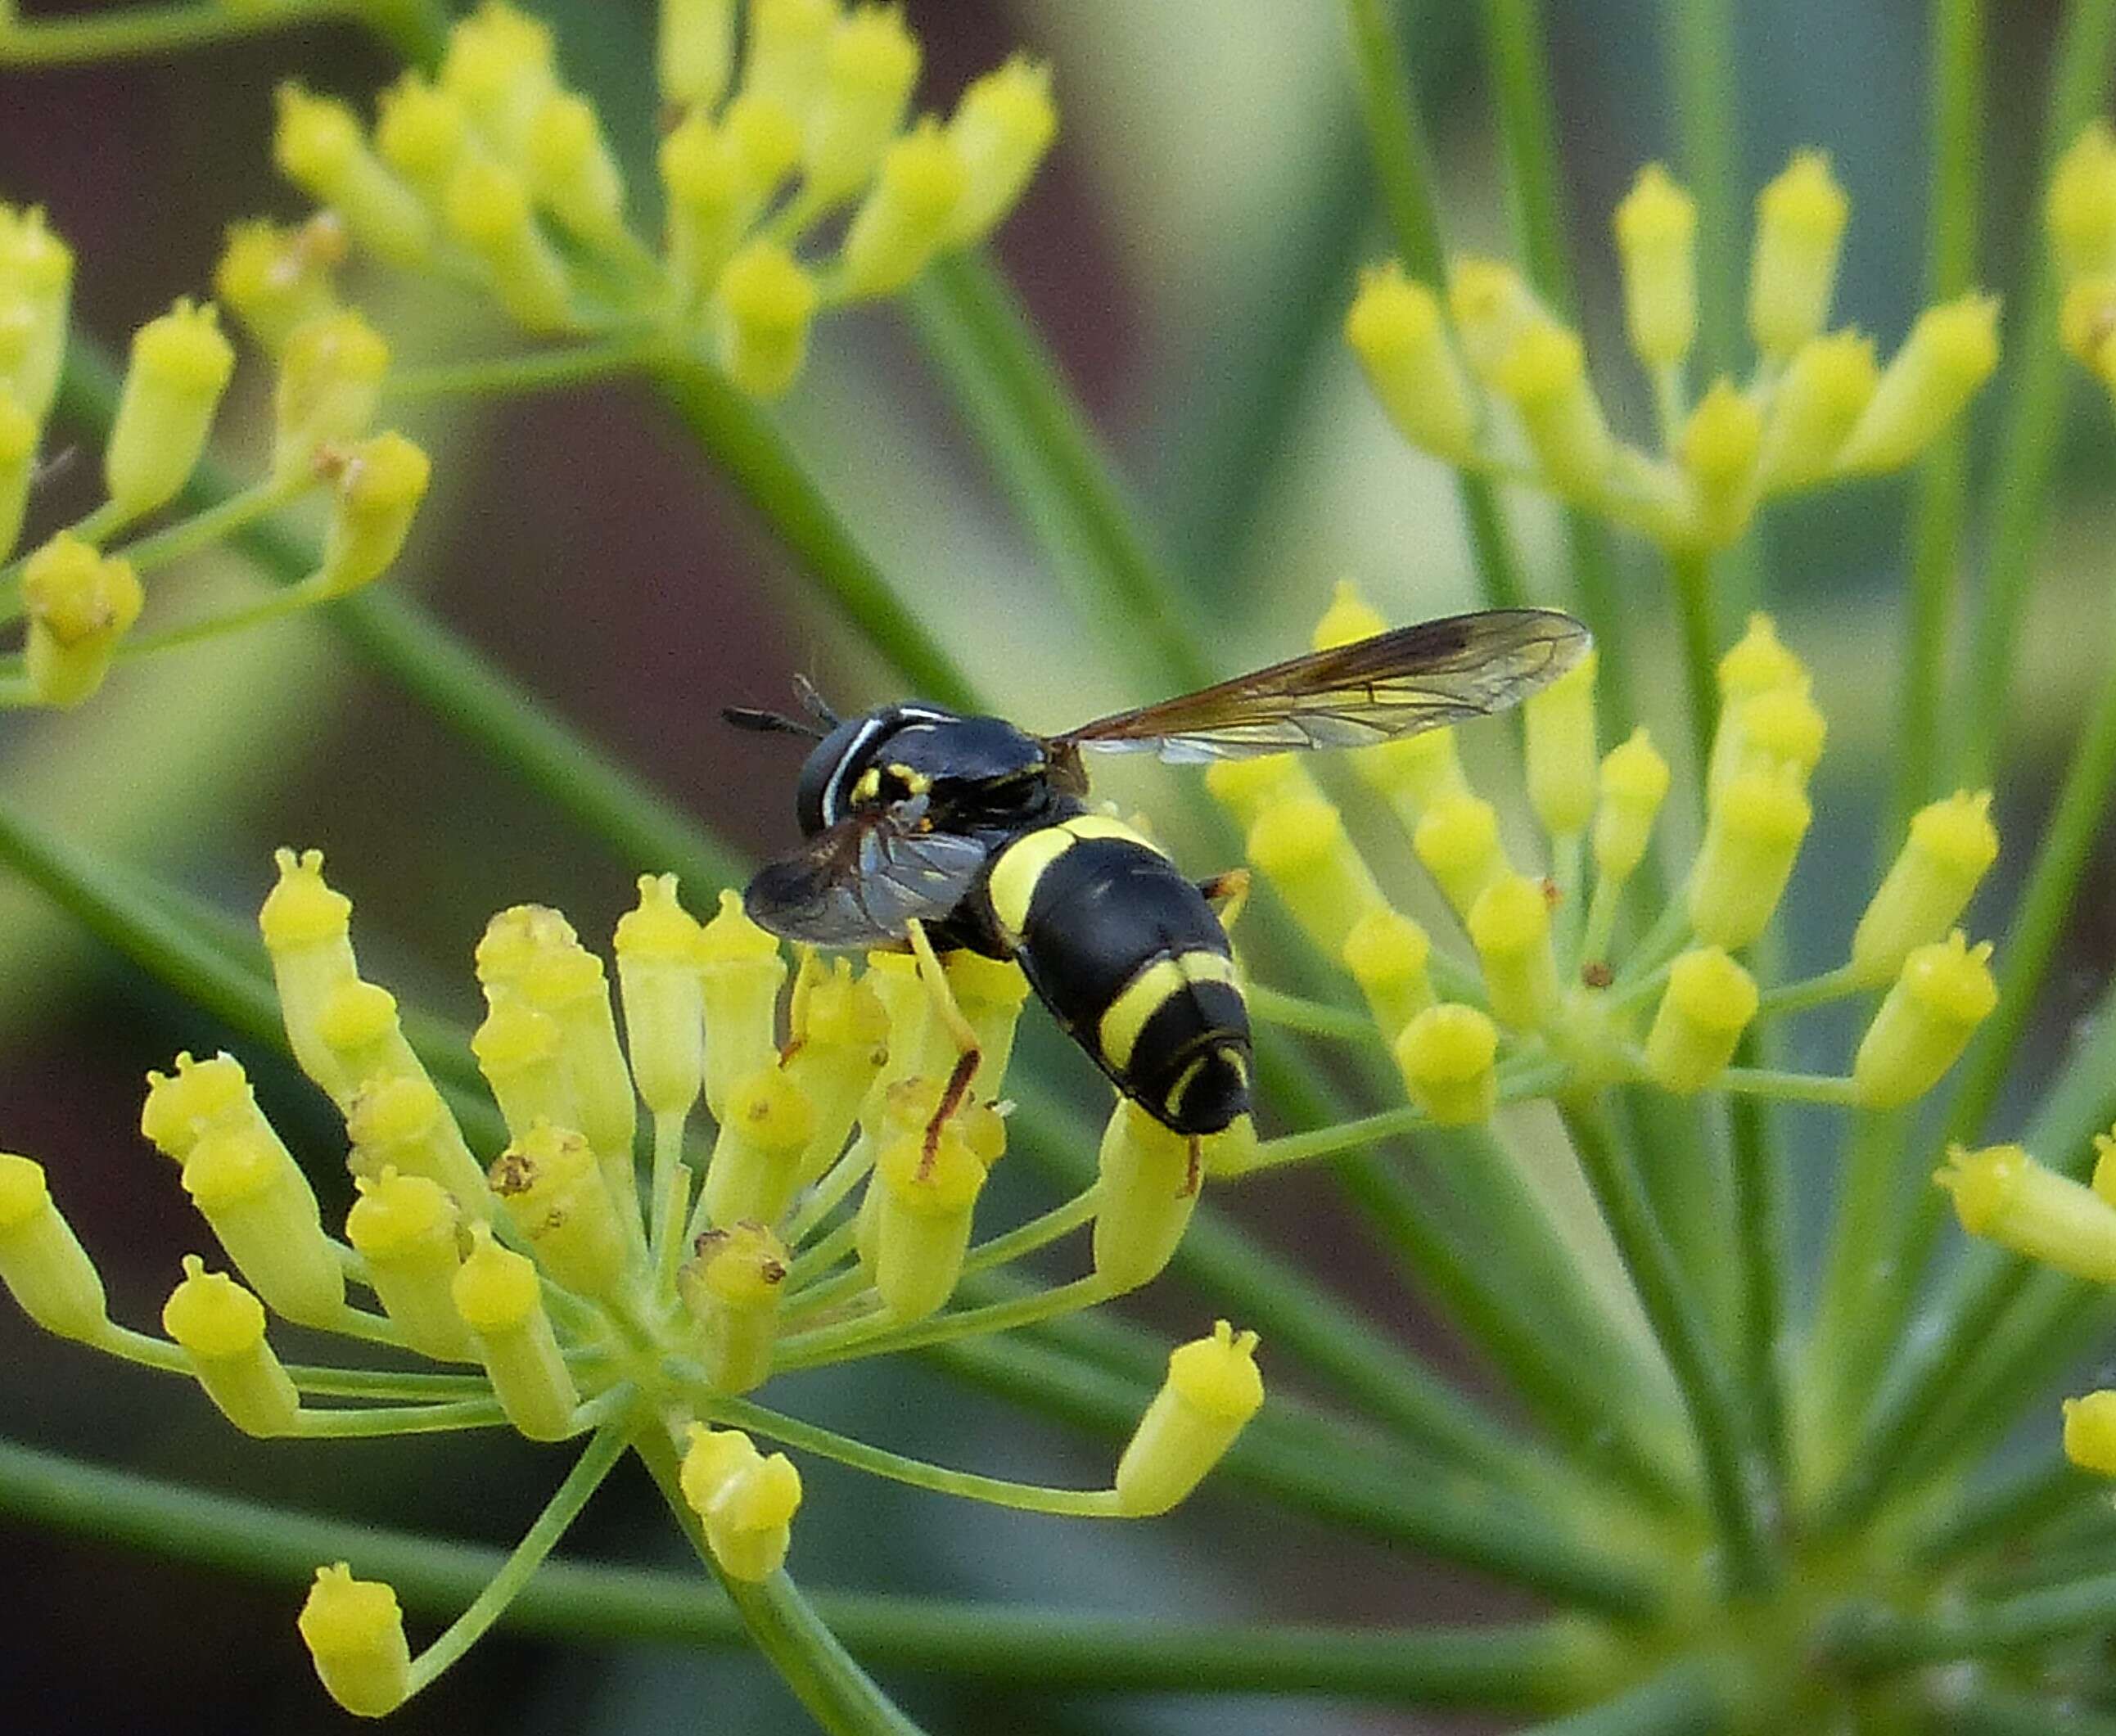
<point>980,832</point>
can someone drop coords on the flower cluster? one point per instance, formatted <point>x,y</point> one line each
<point>1492,381</point>
<point>77,597</point>
<point>493,172</point>
<point>1542,1002</point>
<point>597,1288</point>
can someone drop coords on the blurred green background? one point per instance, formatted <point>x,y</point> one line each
<point>1189,252</point>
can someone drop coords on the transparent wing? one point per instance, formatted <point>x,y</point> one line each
<point>1393,684</point>
<point>859,882</point>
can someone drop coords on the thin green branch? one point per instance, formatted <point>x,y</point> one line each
<point>1952,200</point>
<point>1700,39</point>
<point>531,370</point>
<point>1731,1479</point>
<point>130,32</point>
<point>2005,1510</point>
<point>1520,1665</point>
<point>1687,1699</point>
<point>1395,136</point>
<point>2020,489</point>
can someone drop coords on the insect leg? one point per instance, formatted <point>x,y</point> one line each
<point>1228,895</point>
<point>959,1029</point>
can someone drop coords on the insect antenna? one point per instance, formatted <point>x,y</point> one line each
<point>768,723</point>
<point>813,702</point>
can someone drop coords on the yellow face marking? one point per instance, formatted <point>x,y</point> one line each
<point>867,785</point>
<point>917,782</point>
<point>1118,1034</point>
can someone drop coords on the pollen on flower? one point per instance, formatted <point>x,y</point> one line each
<point>354,1630</point>
<point>80,605</point>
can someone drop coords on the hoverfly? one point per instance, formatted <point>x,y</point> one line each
<point>927,826</point>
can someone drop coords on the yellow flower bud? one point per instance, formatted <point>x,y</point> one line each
<point>1493,309</point>
<point>1301,848</point>
<point>424,133</point>
<point>657,976</point>
<point>921,1229</point>
<point>905,216</point>
<point>739,972</point>
<point>572,172</point>
<point>1559,723</point>
<point>763,305</point>
<point>694,53</point>
<point>80,605</point>
<point>732,1289</point>
<point>1000,129</point>
<point>513,941</point>
<point>1544,375</point>
<point>404,1124</point>
<point>2080,206</point>
<point>1458,841</point>
<point>746,1501</point>
<point>1949,353</point>
<point>1717,450</point>
<point>1632,784</point>
<point>1707,1005</point>
<point>788,41</point>
<point>1396,329</point>
<point>404,1227</point>
<point>1825,389</point>
<point>355,1633</point>
<point>1148,1188</point>
<point>1212,1390</point>
<point>1950,847</point>
<point>991,993</point>
<point>489,211</point>
<point>1248,788</point>
<point>219,1326</point>
<point>307,930</point>
<point>18,467</point>
<point>1412,773</point>
<point>1510,927</point>
<point>564,979</point>
<point>359,1027</point>
<point>380,484</point>
<point>1386,954</point>
<point>319,146</point>
<point>2086,321</point>
<point>500,1298</point>
<point>247,1185</point>
<point>181,365</point>
<point>1943,992</point>
<point>498,64</point>
<point>840,1040</point>
<point>1756,663</point>
<point>1752,832</point>
<point>1349,618</point>
<point>1779,732</point>
<point>2004,1196</point>
<point>1792,270</point>
<point>520,1051</point>
<point>754,1168</point>
<point>1656,238</point>
<point>556,1192</point>
<point>276,279</point>
<point>200,1097</point>
<point>870,63</point>
<point>42,1262</point>
<point>1446,1056</point>
<point>2089,1432</point>
<point>330,385</point>
<point>36,282</point>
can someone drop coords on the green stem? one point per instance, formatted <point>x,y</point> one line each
<point>604,1451</point>
<point>839,1695</point>
<point>1989,1710</point>
<point>742,441</point>
<point>2005,1510</point>
<point>1690,577</point>
<point>535,371</point>
<point>881,1336</point>
<point>369,1421</point>
<point>1699,38</point>
<point>1090,1503</point>
<point>1764,1081</point>
<point>1687,1699</point>
<point>1997,1628</point>
<point>1038,1232</point>
<point>2020,490</point>
<point>1524,1664</point>
<point>1732,1481</point>
<point>1269,1006</point>
<point>1956,120</point>
<point>1396,136</point>
<point>1762,1239</point>
<point>133,31</point>
<point>1007,388</point>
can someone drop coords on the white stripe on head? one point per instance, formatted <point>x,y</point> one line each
<point>834,786</point>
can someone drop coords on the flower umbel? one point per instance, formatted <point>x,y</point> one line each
<point>829,1218</point>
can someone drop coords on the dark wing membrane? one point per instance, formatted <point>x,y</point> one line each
<point>1393,684</point>
<point>859,882</point>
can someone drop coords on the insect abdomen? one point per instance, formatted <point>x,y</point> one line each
<point>1132,963</point>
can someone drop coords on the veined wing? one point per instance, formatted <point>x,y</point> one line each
<point>860,881</point>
